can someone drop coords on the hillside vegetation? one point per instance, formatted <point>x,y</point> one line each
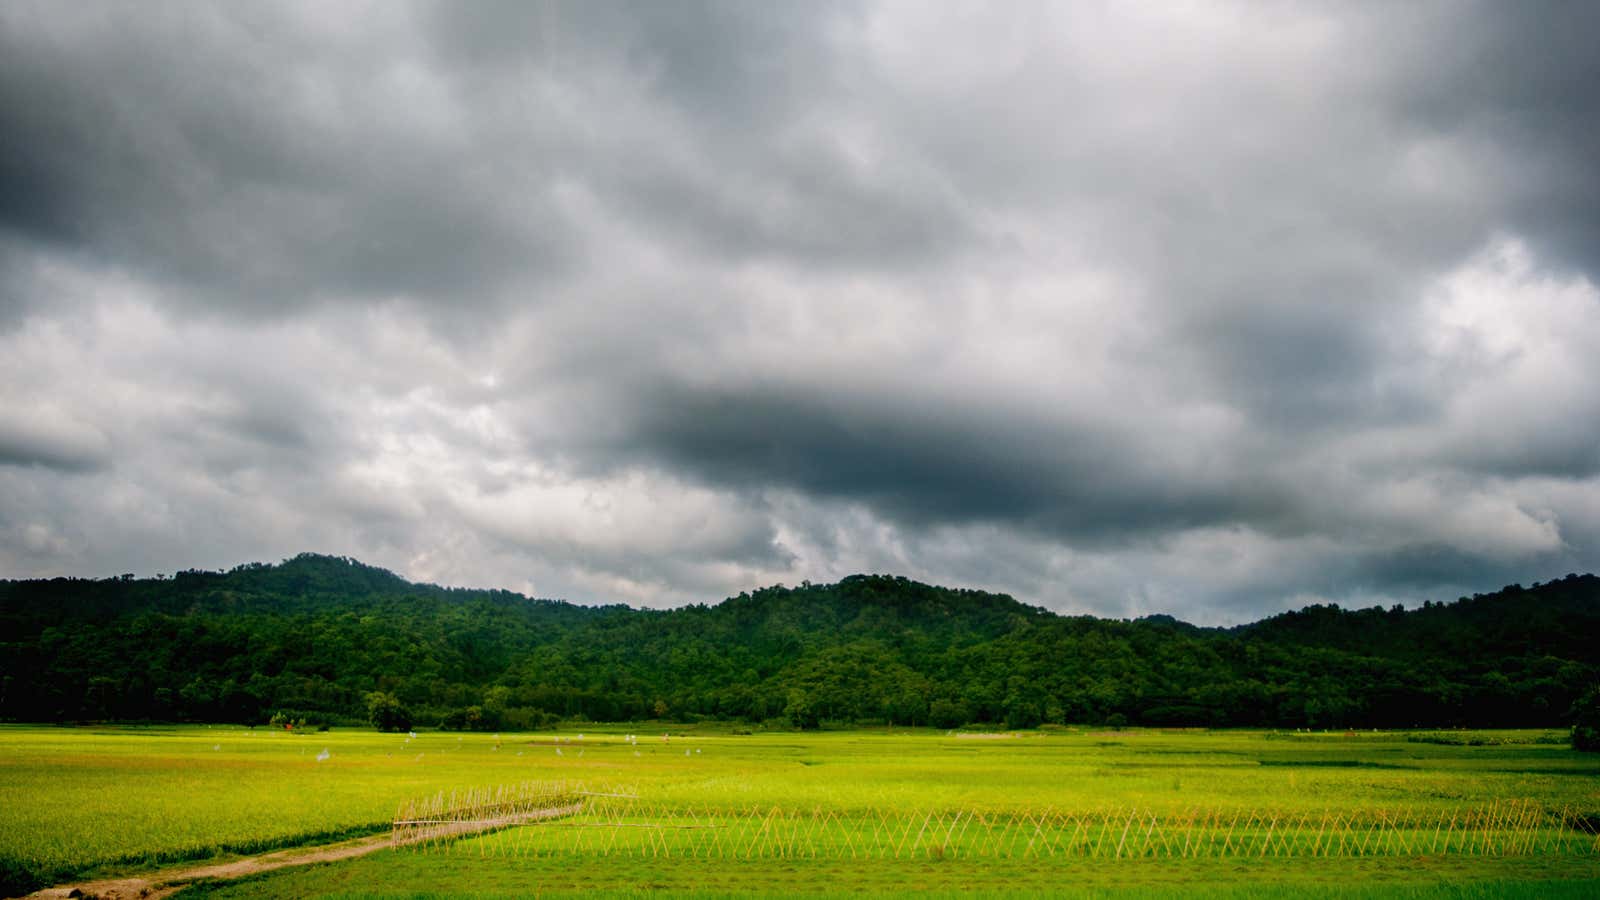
<point>313,637</point>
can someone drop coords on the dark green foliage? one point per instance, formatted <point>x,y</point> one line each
<point>945,713</point>
<point>18,878</point>
<point>1586,722</point>
<point>801,712</point>
<point>316,637</point>
<point>472,718</point>
<point>387,713</point>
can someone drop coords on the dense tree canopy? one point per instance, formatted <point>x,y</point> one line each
<point>1586,722</point>
<point>317,638</point>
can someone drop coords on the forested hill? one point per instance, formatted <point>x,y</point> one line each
<point>314,637</point>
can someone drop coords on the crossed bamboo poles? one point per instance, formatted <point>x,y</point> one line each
<point>570,818</point>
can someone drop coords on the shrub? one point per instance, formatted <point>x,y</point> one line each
<point>302,720</point>
<point>527,718</point>
<point>18,878</point>
<point>473,718</point>
<point>387,713</point>
<point>1586,722</point>
<point>948,714</point>
<point>1023,714</point>
<point>802,714</point>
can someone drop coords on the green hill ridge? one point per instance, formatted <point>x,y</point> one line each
<point>313,636</point>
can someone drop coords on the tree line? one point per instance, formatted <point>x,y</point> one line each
<point>319,639</point>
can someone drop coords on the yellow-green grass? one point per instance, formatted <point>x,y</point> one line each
<point>75,801</point>
<point>464,874</point>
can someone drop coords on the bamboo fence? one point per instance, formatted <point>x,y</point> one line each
<point>548,819</point>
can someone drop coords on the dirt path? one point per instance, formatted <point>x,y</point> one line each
<point>163,884</point>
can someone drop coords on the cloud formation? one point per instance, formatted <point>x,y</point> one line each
<point>1211,310</point>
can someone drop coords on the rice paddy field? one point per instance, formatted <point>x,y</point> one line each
<point>1069,811</point>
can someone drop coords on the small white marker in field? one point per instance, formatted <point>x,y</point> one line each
<point>323,756</point>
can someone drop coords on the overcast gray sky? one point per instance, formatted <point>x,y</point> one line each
<point>1203,308</point>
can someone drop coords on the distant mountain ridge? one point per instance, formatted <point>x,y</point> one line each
<point>313,636</point>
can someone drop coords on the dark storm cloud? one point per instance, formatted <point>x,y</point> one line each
<point>256,163</point>
<point>1520,79</point>
<point>25,442</point>
<point>744,160</point>
<point>930,460</point>
<point>1205,309</point>
<point>250,165</point>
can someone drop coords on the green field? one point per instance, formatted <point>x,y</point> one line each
<point>859,810</point>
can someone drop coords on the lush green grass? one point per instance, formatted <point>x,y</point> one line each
<point>439,875</point>
<point>83,800</point>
